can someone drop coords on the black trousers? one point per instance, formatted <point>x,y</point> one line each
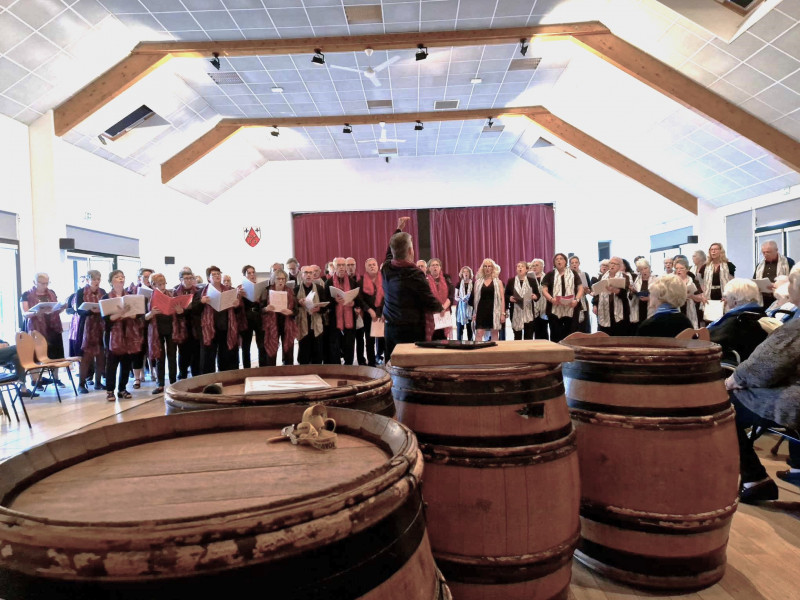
<point>374,346</point>
<point>121,361</point>
<point>561,328</point>
<point>361,344</point>
<point>402,334</point>
<point>617,329</point>
<point>343,342</point>
<point>460,330</point>
<point>247,339</point>
<point>310,350</point>
<point>526,331</point>
<point>217,357</point>
<point>540,329</point>
<point>168,358</point>
<point>189,358</point>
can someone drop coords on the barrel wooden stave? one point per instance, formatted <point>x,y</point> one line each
<point>367,388</point>
<point>662,520</point>
<point>274,543</point>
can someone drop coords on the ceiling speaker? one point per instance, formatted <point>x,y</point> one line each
<point>169,260</point>
<point>66,243</point>
<point>692,239</point>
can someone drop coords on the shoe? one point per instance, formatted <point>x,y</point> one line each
<point>137,384</point>
<point>28,394</point>
<point>82,389</point>
<point>126,395</point>
<point>789,477</point>
<point>111,397</point>
<point>760,492</point>
<point>59,383</point>
<point>158,390</point>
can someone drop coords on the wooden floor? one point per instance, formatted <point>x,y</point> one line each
<point>763,553</point>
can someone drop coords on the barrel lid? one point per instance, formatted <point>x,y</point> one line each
<point>517,351</point>
<point>640,349</point>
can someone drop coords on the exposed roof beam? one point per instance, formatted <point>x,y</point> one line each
<point>613,159</point>
<point>539,114</point>
<point>691,94</point>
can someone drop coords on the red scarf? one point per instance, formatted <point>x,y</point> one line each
<point>154,343</point>
<point>440,291</point>
<point>127,335</point>
<point>93,327</point>
<point>46,324</point>
<point>374,288</point>
<point>180,332</point>
<point>207,323</point>
<point>269,320</point>
<point>402,263</point>
<point>344,318</point>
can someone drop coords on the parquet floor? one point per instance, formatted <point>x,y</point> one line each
<point>763,553</point>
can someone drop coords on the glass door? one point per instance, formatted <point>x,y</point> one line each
<point>130,266</point>
<point>776,235</point>
<point>81,263</point>
<point>793,243</point>
<point>9,292</point>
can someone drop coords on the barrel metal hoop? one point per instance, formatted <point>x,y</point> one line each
<point>673,375</point>
<point>646,411</point>
<point>498,570</point>
<point>653,423</point>
<point>532,439</point>
<point>649,522</point>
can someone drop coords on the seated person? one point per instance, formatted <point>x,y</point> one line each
<point>738,329</point>
<point>765,389</point>
<point>782,309</point>
<point>667,295</point>
<point>8,356</point>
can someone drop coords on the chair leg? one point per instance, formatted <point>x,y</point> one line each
<point>22,403</point>
<point>774,449</point>
<point>72,381</point>
<point>53,374</point>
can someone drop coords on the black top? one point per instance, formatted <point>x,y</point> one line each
<point>407,297</point>
<point>664,325</point>
<point>549,282</point>
<point>740,333</point>
<point>484,312</point>
<point>510,292</point>
<point>358,302</point>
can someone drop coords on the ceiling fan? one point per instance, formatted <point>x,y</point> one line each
<point>370,73</point>
<point>382,138</point>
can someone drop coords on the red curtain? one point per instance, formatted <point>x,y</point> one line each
<point>319,237</point>
<point>506,234</point>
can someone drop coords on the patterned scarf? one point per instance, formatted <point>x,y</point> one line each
<point>523,311</point>
<point>46,324</point>
<point>497,308</point>
<point>464,310</point>
<point>690,308</point>
<point>344,318</point>
<point>783,267</point>
<point>207,322</point>
<point>708,277</point>
<point>93,326</point>
<point>636,317</point>
<point>374,289</point>
<point>127,335</point>
<point>603,308</point>
<point>439,289</point>
<point>269,320</point>
<point>180,331</point>
<point>302,313</point>
<point>568,289</point>
<point>540,306</point>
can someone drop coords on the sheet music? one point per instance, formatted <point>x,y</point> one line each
<point>376,329</point>
<point>220,301</point>
<point>283,384</point>
<point>46,307</point>
<point>253,291</point>
<point>713,310</point>
<point>136,304</point>
<point>145,291</point>
<point>442,322</point>
<point>111,306</point>
<point>348,296</point>
<point>764,285</point>
<point>601,287</point>
<point>279,300</point>
<point>89,305</point>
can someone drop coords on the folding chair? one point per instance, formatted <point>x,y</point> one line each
<point>25,352</point>
<point>9,382</point>
<point>40,351</point>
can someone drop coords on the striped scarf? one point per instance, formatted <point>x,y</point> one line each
<point>302,312</point>
<point>708,277</point>
<point>497,308</point>
<point>523,311</point>
<point>783,267</point>
<point>603,309</point>
<point>568,289</point>
<point>464,310</point>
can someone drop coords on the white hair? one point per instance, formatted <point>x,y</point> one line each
<point>642,264</point>
<point>740,291</point>
<point>794,285</point>
<point>669,289</point>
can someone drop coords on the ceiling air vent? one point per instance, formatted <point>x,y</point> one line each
<point>524,64</point>
<point>127,123</point>
<point>379,104</point>
<point>226,77</point>
<point>493,129</point>
<point>445,104</point>
<point>363,13</point>
<point>387,151</point>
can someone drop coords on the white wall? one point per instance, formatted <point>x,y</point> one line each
<point>15,176</point>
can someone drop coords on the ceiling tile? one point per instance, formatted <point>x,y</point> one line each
<point>252,19</point>
<point>401,13</point>
<point>682,40</point>
<point>214,20</point>
<point>326,16</point>
<point>748,79</point>
<point>698,73</point>
<point>177,21</point>
<point>12,31</point>
<point>91,10</point>
<point>742,47</point>
<point>155,6</point>
<point>789,126</point>
<point>762,111</point>
<point>10,107</point>
<point>289,17</point>
<point>200,5</point>
<point>715,60</point>
<point>65,29</point>
<point>729,92</point>
<point>10,73</point>
<point>791,8</point>
<point>780,98</point>
<point>440,10</point>
<point>28,89</point>
<point>141,24</point>
<point>774,63</point>
<point>758,170</point>
<point>33,51</point>
<point>789,42</point>
<point>771,25</point>
<point>37,12</point>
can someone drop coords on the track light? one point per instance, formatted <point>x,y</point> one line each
<point>490,124</point>
<point>347,128</point>
<point>419,126</point>
<point>523,46</point>
<point>422,52</point>
<point>318,58</point>
<point>215,61</point>
<point>274,132</point>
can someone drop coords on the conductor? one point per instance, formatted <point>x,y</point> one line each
<point>407,295</point>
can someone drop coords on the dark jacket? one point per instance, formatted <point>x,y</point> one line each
<point>407,297</point>
<point>740,333</point>
<point>664,325</point>
<point>357,303</point>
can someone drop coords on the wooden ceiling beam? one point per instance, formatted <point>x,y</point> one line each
<point>357,43</point>
<point>539,114</point>
<point>613,159</point>
<point>674,84</point>
<point>104,89</point>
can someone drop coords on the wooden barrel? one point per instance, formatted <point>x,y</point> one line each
<point>658,457</point>
<point>359,388</point>
<point>198,505</point>
<point>501,475</point>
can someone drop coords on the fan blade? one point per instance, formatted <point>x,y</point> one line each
<point>373,78</point>
<point>367,141</point>
<point>341,68</point>
<point>392,140</point>
<point>385,64</point>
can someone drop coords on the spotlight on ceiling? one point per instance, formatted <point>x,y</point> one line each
<point>347,128</point>
<point>422,52</point>
<point>419,126</point>
<point>523,46</point>
<point>476,80</point>
<point>318,58</point>
<point>490,124</point>
<point>274,132</point>
<point>215,61</point>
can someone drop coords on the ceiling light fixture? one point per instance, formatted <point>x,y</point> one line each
<point>422,52</point>
<point>490,124</point>
<point>318,58</point>
<point>277,90</point>
<point>476,80</point>
<point>215,61</point>
<point>347,128</point>
<point>274,132</point>
<point>419,126</point>
<point>523,46</point>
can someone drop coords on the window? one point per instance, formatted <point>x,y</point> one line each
<point>9,291</point>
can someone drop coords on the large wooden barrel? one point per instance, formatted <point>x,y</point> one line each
<point>659,459</point>
<point>359,388</point>
<point>198,505</point>
<point>501,478</point>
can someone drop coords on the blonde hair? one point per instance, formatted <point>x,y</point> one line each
<point>670,289</point>
<point>722,256</point>
<point>740,291</point>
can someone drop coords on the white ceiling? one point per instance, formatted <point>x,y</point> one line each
<point>51,48</point>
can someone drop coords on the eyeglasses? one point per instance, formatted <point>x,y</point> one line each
<point>280,279</point>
